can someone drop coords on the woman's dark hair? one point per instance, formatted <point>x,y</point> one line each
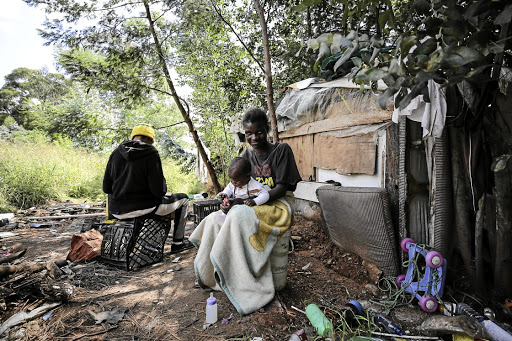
<point>239,165</point>
<point>256,115</point>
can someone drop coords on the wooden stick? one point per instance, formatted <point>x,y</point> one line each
<point>300,311</point>
<point>407,336</point>
<point>32,267</point>
<point>12,257</point>
<point>69,216</point>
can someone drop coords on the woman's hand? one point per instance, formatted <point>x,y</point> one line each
<point>277,192</point>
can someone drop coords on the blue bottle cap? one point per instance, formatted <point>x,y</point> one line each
<point>357,306</point>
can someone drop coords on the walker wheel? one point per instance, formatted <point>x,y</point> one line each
<point>399,280</point>
<point>404,242</point>
<point>428,303</point>
<point>434,259</point>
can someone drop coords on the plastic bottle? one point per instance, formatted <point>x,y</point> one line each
<point>211,309</point>
<point>387,323</point>
<point>299,335</point>
<point>495,332</point>
<point>492,330</point>
<point>322,324</point>
<point>351,310</point>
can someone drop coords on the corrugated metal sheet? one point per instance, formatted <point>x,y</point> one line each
<point>418,218</point>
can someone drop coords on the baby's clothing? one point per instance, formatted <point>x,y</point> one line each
<point>253,189</point>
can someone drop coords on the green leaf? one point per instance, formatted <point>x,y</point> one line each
<point>427,47</point>
<point>393,66</point>
<point>357,61</point>
<point>377,41</point>
<point>406,44</point>
<point>388,80</point>
<point>421,60</point>
<point>386,17</point>
<point>415,91</point>
<point>375,52</point>
<point>422,6</point>
<point>500,163</point>
<point>435,60</point>
<point>346,55</point>
<point>365,56</point>
<point>477,70</point>
<point>504,17</point>
<point>300,8</point>
<point>384,99</point>
<point>376,74</point>
<point>461,55</point>
<point>323,52</point>
<point>423,76</point>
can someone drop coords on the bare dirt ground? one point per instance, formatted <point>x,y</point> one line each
<point>160,301</point>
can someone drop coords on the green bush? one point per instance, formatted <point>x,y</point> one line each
<point>33,173</point>
<point>177,181</point>
<point>24,182</point>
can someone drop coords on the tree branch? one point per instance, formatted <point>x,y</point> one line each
<point>237,36</point>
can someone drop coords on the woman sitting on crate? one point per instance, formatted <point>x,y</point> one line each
<point>234,248</point>
<point>136,186</point>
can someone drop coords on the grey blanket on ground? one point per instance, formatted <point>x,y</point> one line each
<point>227,261</point>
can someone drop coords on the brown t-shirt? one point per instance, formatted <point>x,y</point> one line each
<point>278,167</point>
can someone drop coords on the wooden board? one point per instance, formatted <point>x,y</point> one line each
<point>302,147</point>
<point>338,122</point>
<point>346,155</point>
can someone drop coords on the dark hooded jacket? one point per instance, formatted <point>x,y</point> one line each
<point>134,179</point>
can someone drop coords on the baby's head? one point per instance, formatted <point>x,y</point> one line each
<point>239,171</point>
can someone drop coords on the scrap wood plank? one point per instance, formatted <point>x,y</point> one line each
<point>12,257</point>
<point>346,155</point>
<point>302,147</point>
<point>24,316</point>
<point>31,267</point>
<point>68,216</point>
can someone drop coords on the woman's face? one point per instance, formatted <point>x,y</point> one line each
<point>255,134</point>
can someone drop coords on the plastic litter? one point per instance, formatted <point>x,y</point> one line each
<point>387,324</point>
<point>211,309</point>
<point>322,324</point>
<point>299,335</point>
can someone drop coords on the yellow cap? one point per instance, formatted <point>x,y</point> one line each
<point>143,130</point>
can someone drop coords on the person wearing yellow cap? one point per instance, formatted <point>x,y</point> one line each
<point>136,186</point>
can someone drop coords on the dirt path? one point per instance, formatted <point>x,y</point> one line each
<point>160,301</point>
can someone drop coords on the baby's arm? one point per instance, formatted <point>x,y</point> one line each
<point>262,197</point>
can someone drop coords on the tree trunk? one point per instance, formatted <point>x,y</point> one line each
<point>268,72</point>
<point>177,100</point>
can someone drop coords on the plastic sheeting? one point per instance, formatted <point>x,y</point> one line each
<point>304,106</point>
<point>432,115</point>
<point>314,104</point>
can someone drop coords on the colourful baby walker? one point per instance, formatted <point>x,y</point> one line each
<point>430,284</point>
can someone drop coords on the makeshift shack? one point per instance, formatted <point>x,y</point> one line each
<point>396,177</point>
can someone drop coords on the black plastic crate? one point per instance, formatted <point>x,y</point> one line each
<point>204,207</point>
<point>134,243</point>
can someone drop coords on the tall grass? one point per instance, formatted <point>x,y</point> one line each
<point>33,173</point>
